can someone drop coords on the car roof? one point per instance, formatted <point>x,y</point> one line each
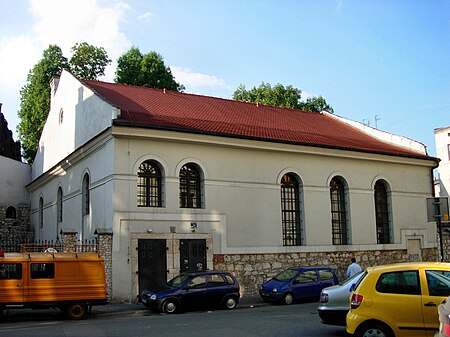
<point>310,268</point>
<point>205,272</point>
<point>408,266</point>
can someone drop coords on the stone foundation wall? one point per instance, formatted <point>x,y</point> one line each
<point>253,269</point>
<point>17,229</point>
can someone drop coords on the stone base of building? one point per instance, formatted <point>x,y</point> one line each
<point>253,269</point>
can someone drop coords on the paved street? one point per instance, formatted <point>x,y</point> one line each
<point>265,321</point>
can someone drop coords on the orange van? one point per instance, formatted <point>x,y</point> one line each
<point>72,282</point>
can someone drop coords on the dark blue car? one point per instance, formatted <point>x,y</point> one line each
<point>294,284</point>
<point>194,290</point>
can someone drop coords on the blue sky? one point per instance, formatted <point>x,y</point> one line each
<point>383,59</point>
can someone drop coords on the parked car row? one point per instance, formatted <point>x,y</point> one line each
<point>391,301</point>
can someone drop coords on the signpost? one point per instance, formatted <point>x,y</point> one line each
<point>437,210</point>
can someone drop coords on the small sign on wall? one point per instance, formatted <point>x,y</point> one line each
<point>437,209</point>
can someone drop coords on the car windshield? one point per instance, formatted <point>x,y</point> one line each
<point>178,281</point>
<point>286,275</point>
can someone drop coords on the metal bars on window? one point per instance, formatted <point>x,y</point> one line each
<point>149,185</point>
<point>338,212</point>
<point>290,211</point>
<point>190,187</point>
<point>382,213</point>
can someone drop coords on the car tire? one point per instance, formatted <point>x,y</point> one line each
<point>77,310</point>
<point>230,302</point>
<point>170,306</point>
<point>374,330</point>
<point>288,299</point>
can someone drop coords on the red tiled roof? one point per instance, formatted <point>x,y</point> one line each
<point>155,108</point>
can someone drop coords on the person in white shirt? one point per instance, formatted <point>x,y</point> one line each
<point>353,268</point>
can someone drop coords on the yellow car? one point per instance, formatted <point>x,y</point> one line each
<point>399,300</point>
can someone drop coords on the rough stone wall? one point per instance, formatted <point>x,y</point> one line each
<point>105,250</point>
<point>15,230</point>
<point>253,269</point>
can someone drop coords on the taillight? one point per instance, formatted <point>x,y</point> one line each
<point>445,329</point>
<point>323,297</point>
<point>356,301</point>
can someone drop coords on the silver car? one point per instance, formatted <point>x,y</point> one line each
<point>335,303</point>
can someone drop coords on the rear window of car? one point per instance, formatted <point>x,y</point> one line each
<point>42,270</point>
<point>216,280</point>
<point>438,283</point>
<point>229,279</point>
<point>400,282</point>
<point>325,275</point>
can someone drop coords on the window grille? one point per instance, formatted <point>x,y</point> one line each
<point>338,212</point>
<point>149,184</point>
<point>290,211</point>
<point>382,213</point>
<point>190,187</point>
<point>86,195</point>
<point>59,205</point>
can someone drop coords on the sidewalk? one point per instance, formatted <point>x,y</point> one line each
<point>140,309</point>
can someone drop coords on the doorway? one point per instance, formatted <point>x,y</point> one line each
<point>152,263</point>
<point>192,255</point>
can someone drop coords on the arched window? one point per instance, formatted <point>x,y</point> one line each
<point>382,210</point>
<point>339,227</point>
<point>290,211</point>
<point>41,212</point>
<point>11,213</point>
<point>149,184</point>
<point>85,195</point>
<point>190,187</point>
<point>59,205</point>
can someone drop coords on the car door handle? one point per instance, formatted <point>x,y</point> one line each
<point>430,304</point>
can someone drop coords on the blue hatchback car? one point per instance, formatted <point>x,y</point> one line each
<point>294,284</point>
<point>196,289</point>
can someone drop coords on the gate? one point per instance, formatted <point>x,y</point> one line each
<point>192,255</point>
<point>152,263</point>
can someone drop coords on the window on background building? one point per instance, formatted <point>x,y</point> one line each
<point>149,184</point>
<point>190,186</point>
<point>290,210</point>
<point>11,213</point>
<point>59,205</point>
<point>41,212</point>
<point>338,212</point>
<point>382,213</point>
<point>85,195</point>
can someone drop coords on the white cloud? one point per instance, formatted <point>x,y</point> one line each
<point>68,22</point>
<point>195,80</point>
<point>145,17</point>
<point>17,57</point>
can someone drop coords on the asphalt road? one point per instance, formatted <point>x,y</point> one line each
<point>266,321</point>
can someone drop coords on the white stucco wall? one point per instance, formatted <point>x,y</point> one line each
<point>442,140</point>
<point>84,116</point>
<point>14,176</point>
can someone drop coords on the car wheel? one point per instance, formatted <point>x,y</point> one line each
<point>170,306</point>
<point>288,298</point>
<point>374,330</point>
<point>231,302</point>
<point>77,310</point>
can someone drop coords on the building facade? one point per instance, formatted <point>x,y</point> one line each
<point>188,182</point>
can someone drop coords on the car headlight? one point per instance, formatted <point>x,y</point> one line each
<point>153,297</point>
<point>274,290</point>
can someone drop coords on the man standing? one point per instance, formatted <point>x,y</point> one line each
<point>353,268</point>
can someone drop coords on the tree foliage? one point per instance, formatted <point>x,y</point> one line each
<point>35,99</point>
<point>146,70</point>
<point>87,62</point>
<point>281,96</point>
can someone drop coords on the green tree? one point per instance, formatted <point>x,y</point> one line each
<point>281,96</point>
<point>316,104</point>
<point>35,99</point>
<point>88,62</point>
<point>146,70</point>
